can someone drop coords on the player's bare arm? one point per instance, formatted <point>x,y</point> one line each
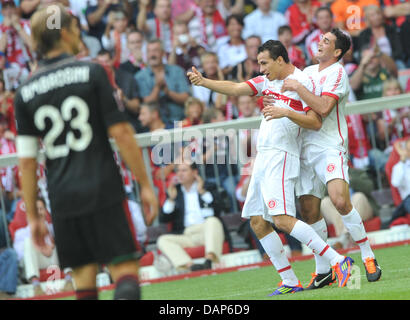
<point>123,134</point>
<point>323,105</point>
<point>225,87</point>
<point>310,120</point>
<point>39,231</point>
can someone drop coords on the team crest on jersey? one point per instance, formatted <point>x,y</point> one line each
<point>272,204</point>
<point>331,167</point>
<point>322,80</point>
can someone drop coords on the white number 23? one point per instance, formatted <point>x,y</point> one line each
<point>79,122</point>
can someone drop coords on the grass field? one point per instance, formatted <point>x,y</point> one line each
<point>256,284</point>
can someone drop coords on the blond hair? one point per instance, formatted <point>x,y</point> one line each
<point>45,35</point>
<point>391,82</point>
<point>191,101</point>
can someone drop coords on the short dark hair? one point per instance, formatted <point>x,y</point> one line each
<point>342,41</point>
<point>104,52</point>
<point>237,17</point>
<point>276,49</point>
<point>283,29</point>
<point>324,8</point>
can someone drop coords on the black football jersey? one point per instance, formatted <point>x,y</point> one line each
<point>70,105</point>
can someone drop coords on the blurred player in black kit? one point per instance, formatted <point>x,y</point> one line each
<point>71,106</point>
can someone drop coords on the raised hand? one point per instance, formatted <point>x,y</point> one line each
<point>195,77</point>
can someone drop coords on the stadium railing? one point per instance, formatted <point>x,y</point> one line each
<point>179,135</point>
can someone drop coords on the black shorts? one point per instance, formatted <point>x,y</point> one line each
<point>103,237</point>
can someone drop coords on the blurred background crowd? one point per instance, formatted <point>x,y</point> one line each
<point>148,46</point>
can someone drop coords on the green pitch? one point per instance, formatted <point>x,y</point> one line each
<point>256,284</point>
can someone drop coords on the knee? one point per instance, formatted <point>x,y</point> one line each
<point>281,223</point>
<point>259,226</point>
<point>342,205</point>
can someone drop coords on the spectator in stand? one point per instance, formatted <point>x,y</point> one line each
<point>32,259</point>
<point>135,61</point>
<point>164,84</point>
<point>400,179</point>
<point>301,19</point>
<point>185,51</point>
<point>185,10</point>
<point>349,15</point>
<point>192,207</point>
<point>217,155</point>
<point>394,123</point>
<point>194,109</point>
<point>159,27</point>
<point>28,7</point>
<point>7,109</point>
<point>15,42</point>
<point>361,185</point>
<point>359,144</point>
<point>248,68</point>
<point>405,41</point>
<point>378,32</point>
<point>295,53</point>
<point>97,15</point>
<point>231,49</point>
<point>127,91</point>
<point>263,22</point>
<point>324,22</point>
<point>211,70</point>
<point>162,157</point>
<point>208,25</point>
<point>8,270</point>
<point>395,11</point>
<point>247,137</point>
<point>114,38</point>
<point>374,68</point>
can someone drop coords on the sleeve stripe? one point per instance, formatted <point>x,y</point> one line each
<point>330,95</point>
<point>27,146</point>
<point>255,92</point>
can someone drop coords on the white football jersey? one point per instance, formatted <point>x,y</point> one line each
<point>334,82</point>
<point>282,134</point>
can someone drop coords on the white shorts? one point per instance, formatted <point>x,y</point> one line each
<point>272,187</point>
<point>317,168</point>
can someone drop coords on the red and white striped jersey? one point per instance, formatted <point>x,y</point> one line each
<point>282,134</point>
<point>334,82</point>
<point>311,43</point>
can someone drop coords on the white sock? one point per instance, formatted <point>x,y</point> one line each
<point>322,264</point>
<point>274,249</point>
<point>305,234</point>
<point>354,224</point>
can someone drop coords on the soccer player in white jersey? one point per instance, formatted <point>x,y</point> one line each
<point>324,153</point>
<point>270,197</point>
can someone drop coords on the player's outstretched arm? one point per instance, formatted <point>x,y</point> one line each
<point>123,134</point>
<point>323,105</point>
<point>225,87</point>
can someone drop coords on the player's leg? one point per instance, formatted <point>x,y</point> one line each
<point>272,244</point>
<point>306,235</point>
<point>310,191</point>
<point>310,213</point>
<point>125,277</point>
<point>85,282</point>
<point>339,194</point>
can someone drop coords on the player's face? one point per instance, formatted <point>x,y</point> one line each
<point>268,66</point>
<point>327,47</point>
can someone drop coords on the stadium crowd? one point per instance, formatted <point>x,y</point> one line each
<point>148,46</point>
